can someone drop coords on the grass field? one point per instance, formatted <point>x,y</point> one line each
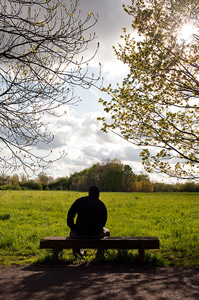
<point>28,216</point>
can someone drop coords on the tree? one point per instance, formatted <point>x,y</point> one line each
<point>129,178</point>
<point>147,186</point>
<point>142,177</point>
<point>111,175</point>
<point>156,106</point>
<point>4,179</point>
<point>60,183</point>
<point>14,181</point>
<point>41,61</point>
<point>43,178</point>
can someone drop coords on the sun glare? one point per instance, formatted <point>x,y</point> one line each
<point>186,32</point>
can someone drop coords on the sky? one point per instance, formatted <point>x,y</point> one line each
<point>78,132</point>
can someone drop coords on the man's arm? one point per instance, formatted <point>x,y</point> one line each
<point>71,216</point>
<point>104,215</point>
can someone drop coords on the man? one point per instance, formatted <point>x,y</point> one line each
<point>91,216</point>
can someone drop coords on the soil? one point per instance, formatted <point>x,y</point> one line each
<point>98,282</point>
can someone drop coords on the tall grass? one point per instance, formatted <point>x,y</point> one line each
<point>28,216</point>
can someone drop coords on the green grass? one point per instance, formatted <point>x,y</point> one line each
<point>28,216</point>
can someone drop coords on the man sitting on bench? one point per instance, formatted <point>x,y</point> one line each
<point>91,218</point>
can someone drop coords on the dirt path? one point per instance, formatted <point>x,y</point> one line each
<point>87,281</point>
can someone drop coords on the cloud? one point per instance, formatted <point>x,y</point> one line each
<point>108,30</point>
<point>85,144</point>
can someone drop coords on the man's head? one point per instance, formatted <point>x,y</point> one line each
<point>94,192</point>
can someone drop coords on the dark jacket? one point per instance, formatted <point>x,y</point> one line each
<point>91,216</point>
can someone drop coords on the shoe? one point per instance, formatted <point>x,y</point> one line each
<point>78,252</point>
<point>81,252</point>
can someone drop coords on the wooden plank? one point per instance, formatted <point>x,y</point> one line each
<point>105,243</point>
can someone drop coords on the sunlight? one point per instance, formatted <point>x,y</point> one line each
<point>186,32</point>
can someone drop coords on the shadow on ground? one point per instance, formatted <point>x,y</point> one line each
<point>97,282</point>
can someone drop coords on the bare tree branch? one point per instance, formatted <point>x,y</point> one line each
<point>41,62</point>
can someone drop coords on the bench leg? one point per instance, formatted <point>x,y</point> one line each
<point>141,254</point>
<point>56,253</point>
<point>100,252</point>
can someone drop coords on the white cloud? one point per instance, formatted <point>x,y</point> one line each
<point>108,30</point>
<point>85,144</point>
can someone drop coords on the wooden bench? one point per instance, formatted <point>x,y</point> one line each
<point>140,243</point>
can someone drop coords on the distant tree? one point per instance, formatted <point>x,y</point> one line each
<point>29,185</point>
<point>4,179</point>
<point>162,187</point>
<point>60,183</point>
<point>190,186</point>
<point>41,61</point>
<point>73,180</point>
<point>129,178</point>
<point>112,176</point>
<point>156,106</point>
<point>142,186</point>
<point>14,181</point>
<point>146,186</point>
<point>88,177</point>
<point>23,178</point>
<point>142,177</point>
<point>136,186</point>
<point>43,178</point>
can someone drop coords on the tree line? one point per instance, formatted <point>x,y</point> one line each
<point>109,175</point>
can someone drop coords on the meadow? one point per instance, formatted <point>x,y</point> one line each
<point>28,216</point>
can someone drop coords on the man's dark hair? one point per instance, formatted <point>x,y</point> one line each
<point>94,191</point>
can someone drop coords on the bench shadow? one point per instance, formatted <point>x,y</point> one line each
<point>97,282</point>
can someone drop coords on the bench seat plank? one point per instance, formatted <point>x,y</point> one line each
<point>105,243</point>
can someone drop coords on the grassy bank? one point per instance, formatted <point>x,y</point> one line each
<point>27,216</point>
